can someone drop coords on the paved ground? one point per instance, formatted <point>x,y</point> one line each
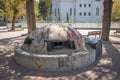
<point>105,68</point>
<point>76,25</point>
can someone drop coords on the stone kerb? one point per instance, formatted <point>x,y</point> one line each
<point>57,62</point>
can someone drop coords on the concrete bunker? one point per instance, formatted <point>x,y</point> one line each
<point>54,48</point>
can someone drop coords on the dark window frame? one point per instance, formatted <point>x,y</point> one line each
<point>59,44</point>
<point>55,12</point>
<point>70,11</point>
<point>85,5</point>
<point>80,5</point>
<point>89,5</point>
<point>89,14</point>
<point>84,13</point>
<point>97,0</point>
<point>58,11</point>
<point>74,11</point>
<point>80,14</point>
<point>97,11</point>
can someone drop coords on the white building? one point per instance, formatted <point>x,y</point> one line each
<point>78,10</point>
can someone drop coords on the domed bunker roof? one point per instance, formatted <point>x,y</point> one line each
<point>54,39</point>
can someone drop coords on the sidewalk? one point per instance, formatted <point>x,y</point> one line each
<point>115,39</point>
<point>2,27</point>
<point>4,33</point>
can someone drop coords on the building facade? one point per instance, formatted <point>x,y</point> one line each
<point>77,10</point>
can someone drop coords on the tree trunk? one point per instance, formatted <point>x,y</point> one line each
<point>106,19</point>
<point>31,24</point>
<point>13,22</point>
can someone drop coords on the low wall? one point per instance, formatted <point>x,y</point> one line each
<point>60,62</point>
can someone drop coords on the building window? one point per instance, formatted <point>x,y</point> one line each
<point>97,0</point>
<point>70,11</point>
<point>84,13</point>
<point>80,14</point>
<point>58,11</point>
<point>59,45</point>
<point>84,5</point>
<point>74,11</point>
<point>89,14</point>
<point>97,11</point>
<point>89,5</point>
<point>55,12</point>
<point>80,5</point>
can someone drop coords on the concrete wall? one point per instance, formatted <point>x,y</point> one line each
<point>59,62</point>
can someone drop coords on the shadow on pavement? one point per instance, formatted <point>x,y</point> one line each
<point>105,68</point>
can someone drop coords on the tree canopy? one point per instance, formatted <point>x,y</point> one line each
<point>116,9</point>
<point>44,9</point>
<point>12,9</point>
<point>11,6</point>
<point>16,8</point>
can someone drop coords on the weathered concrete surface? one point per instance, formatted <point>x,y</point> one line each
<point>60,62</point>
<point>38,39</point>
<point>106,68</point>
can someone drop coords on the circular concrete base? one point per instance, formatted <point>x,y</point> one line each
<point>60,62</point>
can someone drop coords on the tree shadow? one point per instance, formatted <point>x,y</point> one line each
<point>4,31</point>
<point>8,30</point>
<point>114,54</point>
<point>6,51</point>
<point>10,40</point>
<point>105,68</point>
